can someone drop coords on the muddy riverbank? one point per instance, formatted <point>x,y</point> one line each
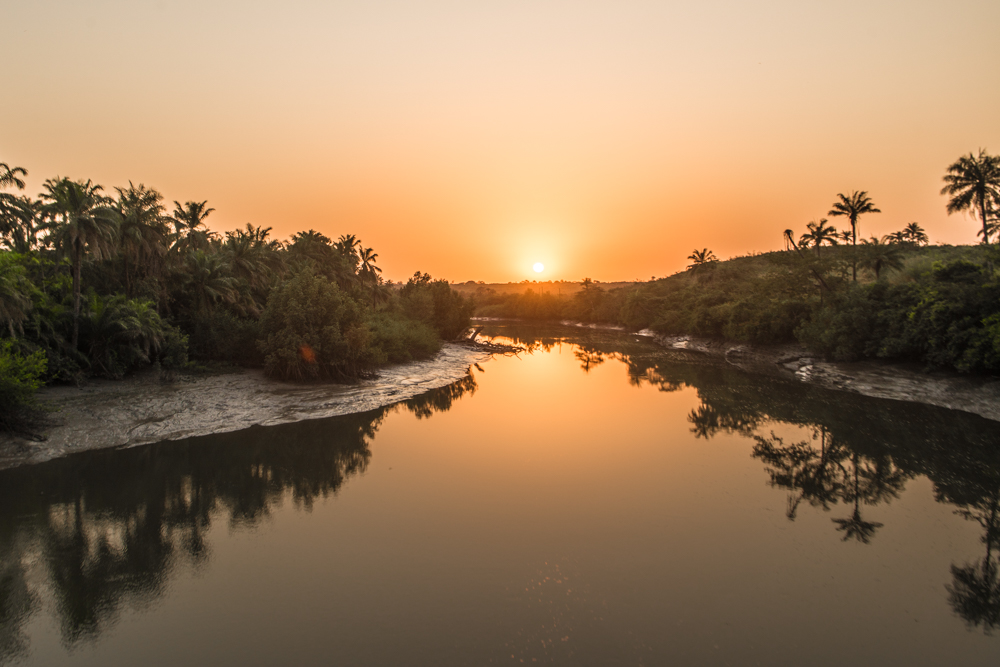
<point>977,395</point>
<point>141,410</point>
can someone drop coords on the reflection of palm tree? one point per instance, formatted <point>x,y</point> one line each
<point>975,590</point>
<point>588,357</point>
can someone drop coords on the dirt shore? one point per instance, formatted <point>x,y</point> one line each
<point>140,409</point>
<point>977,395</point>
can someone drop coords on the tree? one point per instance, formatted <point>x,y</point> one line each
<point>142,232</point>
<point>11,206</point>
<point>973,183</point>
<point>189,225</point>
<point>818,234</point>
<point>879,255</point>
<point>82,222</point>
<point>701,258</point>
<point>853,207</point>
<point>15,291</point>
<point>914,233</point>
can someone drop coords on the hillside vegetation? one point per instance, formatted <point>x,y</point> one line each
<point>937,305</point>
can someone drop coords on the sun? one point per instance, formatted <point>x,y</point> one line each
<point>538,267</point>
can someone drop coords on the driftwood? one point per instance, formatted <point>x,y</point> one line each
<point>489,345</point>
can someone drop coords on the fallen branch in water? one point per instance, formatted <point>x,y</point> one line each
<point>489,346</point>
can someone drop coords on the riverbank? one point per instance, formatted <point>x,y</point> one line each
<point>975,394</point>
<point>141,410</point>
<point>978,395</point>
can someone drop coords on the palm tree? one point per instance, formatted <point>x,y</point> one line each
<point>191,215</point>
<point>15,290</point>
<point>348,246</point>
<point>973,182</point>
<point>82,222</point>
<point>368,270</point>
<point>897,238</point>
<point>914,233</point>
<point>12,207</point>
<point>853,207</point>
<point>879,254</point>
<point>700,258</point>
<point>143,231</point>
<point>818,234</point>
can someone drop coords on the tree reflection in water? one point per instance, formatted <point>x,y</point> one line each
<point>111,526</point>
<point>861,453</point>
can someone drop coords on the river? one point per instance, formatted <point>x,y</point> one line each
<point>596,500</point>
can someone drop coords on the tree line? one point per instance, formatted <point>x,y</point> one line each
<point>843,296</point>
<point>101,283</point>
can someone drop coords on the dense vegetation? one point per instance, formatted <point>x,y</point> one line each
<point>98,284</point>
<point>842,296</point>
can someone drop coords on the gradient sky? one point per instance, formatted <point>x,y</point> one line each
<point>470,140</point>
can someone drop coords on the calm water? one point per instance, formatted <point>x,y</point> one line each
<point>597,502</point>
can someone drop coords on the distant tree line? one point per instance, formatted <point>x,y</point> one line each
<point>842,295</point>
<point>99,283</point>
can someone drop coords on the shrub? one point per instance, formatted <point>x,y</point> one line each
<point>436,304</point>
<point>312,330</point>
<point>20,378</point>
<point>399,339</point>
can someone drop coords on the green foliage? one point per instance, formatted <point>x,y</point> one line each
<point>312,330</point>
<point>20,376</point>
<point>948,319</point>
<point>400,340</point>
<point>121,334</point>
<point>434,303</point>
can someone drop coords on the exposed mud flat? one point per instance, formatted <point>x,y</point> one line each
<point>141,410</point>
<point>979,396</point>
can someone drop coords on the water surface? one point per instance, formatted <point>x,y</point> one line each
<point>597,501</point>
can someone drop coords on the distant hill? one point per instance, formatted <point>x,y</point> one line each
<point>554,287</point>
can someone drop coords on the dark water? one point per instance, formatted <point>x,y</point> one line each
<point>597,502</point>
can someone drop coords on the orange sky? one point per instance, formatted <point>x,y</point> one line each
<point>605,139</point>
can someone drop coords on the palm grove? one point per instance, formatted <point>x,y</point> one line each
<point>99,283</point>
<point>840,294</point>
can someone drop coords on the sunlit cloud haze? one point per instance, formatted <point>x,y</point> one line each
<point>471,140</point>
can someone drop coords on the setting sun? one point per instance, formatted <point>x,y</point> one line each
<point>538,267</point>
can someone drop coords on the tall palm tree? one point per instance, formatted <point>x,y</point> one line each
<point>143,231</point>
<point>12,207</point>
<point>853,207</point>
<point>973,182</point>
<point>82,221</point>
<point>818,234</point>
<point>348,245</point>
<point>368,271</point>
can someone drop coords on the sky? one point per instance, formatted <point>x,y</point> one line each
<point>472,140</point>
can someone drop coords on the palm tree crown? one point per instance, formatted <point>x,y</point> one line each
<point>82,221</point>
<point>973,182</point>
<point>853,207</point>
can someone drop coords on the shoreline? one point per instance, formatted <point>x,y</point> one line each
<point>141,410</point>
<point>974,394</point>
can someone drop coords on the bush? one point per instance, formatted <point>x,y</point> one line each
<point>436,304</point>
<point>20,378</point>
<point>312,330</point>
<point>399,340</point>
